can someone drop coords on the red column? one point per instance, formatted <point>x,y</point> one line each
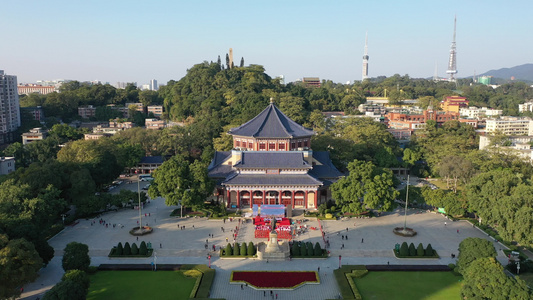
<point>316,198</point>
<point>229,198</point>
<point>238,199</point>
<point>251,198</point>
<point>264,196</point>
<point>305,199</point>
<point>292,199</point>
<point>280,199</point>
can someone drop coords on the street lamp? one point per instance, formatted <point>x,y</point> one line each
<point>209,258</point>
<point>140,212</point>
<point>63,217</point>
<point>340,257</point>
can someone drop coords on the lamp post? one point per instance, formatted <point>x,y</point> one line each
<point>209,258</point>
<point>406,201</point>
<point>340,257</point>
<point>518,268</point>
<point>140,212</point>
<point>63,217</point>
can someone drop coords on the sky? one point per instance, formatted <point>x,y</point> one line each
<point>136,41</point>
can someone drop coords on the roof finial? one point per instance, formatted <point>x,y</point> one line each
<point>271,100</point>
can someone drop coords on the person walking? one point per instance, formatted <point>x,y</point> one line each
<point>444,224</point>
<point>362,240</point>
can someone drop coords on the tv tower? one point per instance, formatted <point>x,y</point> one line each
<point>452,64</point>
<point>365,59</point>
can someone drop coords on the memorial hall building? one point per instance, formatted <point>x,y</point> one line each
<point>272,163</point>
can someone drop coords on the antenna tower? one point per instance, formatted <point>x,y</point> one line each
<point>365,59</point>
<point>452,64</point>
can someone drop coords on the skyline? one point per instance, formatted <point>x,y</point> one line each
<point>136,41</point>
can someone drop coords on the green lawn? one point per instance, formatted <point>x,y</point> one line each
<point>140,285</point>
<point>527,277</point>
<point>410,285</point>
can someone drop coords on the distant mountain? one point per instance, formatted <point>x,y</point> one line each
<point>522,72</point>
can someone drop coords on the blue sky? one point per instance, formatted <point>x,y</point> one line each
<point>141,40</point>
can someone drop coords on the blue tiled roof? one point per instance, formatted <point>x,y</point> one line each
<point>273,159</point>
<point>152,160</point>
<point>216,169</point>
<point>271,123</point>
<point>245,179</point>
<point>327,169</point>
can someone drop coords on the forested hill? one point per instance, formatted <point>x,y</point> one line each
<point>521,72</point>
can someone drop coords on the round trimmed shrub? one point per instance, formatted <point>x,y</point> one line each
<point>412,250</point>
<point>127,249</point>
<point>295,249</point>
<point>251,248</point>
<point>237,249</point>
<point>143,250</point>
<point>420,250</point>
<point>318,249</point>
<point>404,249</point>
<point>134,249</point>
<point>119,249</point>
<point>229,250</point>
<point>310,249</point>
<point>303,250</point>
<point>243,249</point>
<point>429,250</point>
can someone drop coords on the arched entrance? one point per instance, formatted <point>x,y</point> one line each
<point>272,197</point>
<point>286,198</point>
<point>299,199</point>
<point>257,197</point>
<point>245,198</point>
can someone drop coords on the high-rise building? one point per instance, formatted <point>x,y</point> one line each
<point>452,64</point>
<point>365,60</point>
<point>153,85</point>
<point>9,107</point>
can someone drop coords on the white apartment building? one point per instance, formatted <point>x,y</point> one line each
<point>528,106</point>
<point>510,126</point>
<point>7,165</point>
<point>476,112</point>
<point>9,107</point>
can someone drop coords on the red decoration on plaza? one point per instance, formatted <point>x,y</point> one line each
<point>275,279</point>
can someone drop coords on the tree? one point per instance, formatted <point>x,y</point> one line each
<point>143,250</point>
<point>19,264</point>
<point>404,249</point>
<point>471,249</point>
<point>303,250</point>
<point>78,276</point>
<point>76,257</point>
<point>295,249</point>
<point>365,187</point>
<point>429,250</point>
<point>134,249</point>
<point>412,250</point>
<point>119,250</point>
<point>318,249</point>
<point>67,290</point>
<point>484,279</point>
<point>229,250</point>
<point>236,249</point>
<point>244,249</point>
<point>420,250</point>
<point>251,248</point>
<point>127,249</point>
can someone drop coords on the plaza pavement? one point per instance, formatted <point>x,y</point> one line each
<point>175,246</point>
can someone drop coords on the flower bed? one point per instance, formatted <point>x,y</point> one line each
<point>274,279</point>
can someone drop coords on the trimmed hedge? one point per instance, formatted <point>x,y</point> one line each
<point>127,251</point>
<point>239,250</point>
<point>307,250</point>
<point>346,284</point>
<point>412,252</point>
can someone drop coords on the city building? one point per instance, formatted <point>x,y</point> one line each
<point>311,81</point>
<point>377,109</point>
<point>119,124</point>
<point>153,85</point>
<point>272,163</point>
<point>9,108</point>
<point>36,112</point>
<point>148,164</point>
<point>123,85</point>
<point>138,106</point>
<point>29,88</point>
<point>35,134</point>
<point>453,104</point>
<point>95,136</point>
<point>517,145</point>
<point>476,113</point>
<point>157,110</point>
<point>7,165</point>
<point>510,126</point>
<point>528,106</point>
<point>87,112</point>
<point>400,120</point>
<point>154,124</point>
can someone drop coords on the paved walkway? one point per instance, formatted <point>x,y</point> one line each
<point>177,246</point>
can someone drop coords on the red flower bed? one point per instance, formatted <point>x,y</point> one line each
<point>275,279</point>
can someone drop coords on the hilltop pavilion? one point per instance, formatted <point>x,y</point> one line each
<point>272,163</point>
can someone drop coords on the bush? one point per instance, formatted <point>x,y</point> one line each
<point>127,249</point>
<point>78,276</point>
<point>237,249</point>
<point>251,248</point>
<point>76,257</point>
<point>451,266</point>
<point>303,250</point>
<point>310,251</point>
<point>295,249</point>
<point>412,250</point>
<point>420,250</point>
<point>143,250</point>
<point>429,250</point>
<point>318,249</point>
<point>243,249</point>
<point>404,249</point>
<point>119,249</point>
<point>229,250</point>
<point>329,216</point>
<point>134,249</point>
<point>333,208</point>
